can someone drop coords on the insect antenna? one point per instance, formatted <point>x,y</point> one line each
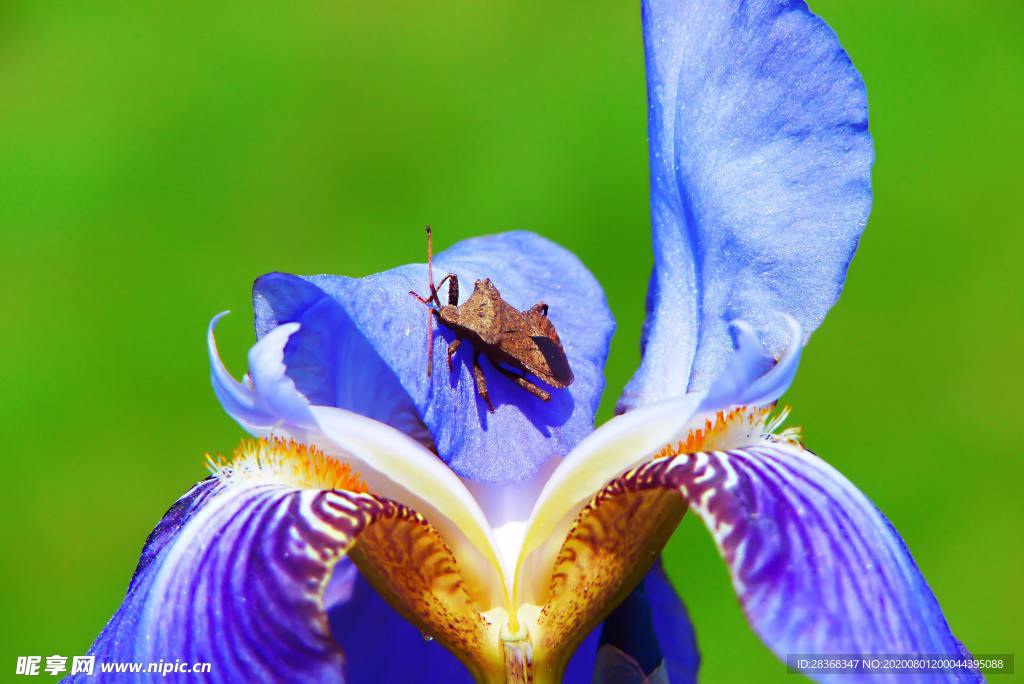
<point>430,266</point>
<point>433,298</point>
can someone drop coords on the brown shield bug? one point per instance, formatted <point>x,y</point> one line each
<point>513,340</point>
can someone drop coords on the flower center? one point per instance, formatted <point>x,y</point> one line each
<point>279,461</point>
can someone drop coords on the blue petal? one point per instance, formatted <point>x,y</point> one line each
<point>580,669</point>
<point>760,180</point>
<point>185,602</point>
<point>332,369</point>
<point>362,346</point>
<point>650,632</point>
<point>745,380</point>
<point>382,646</point>
<point>673,627</point>
<point>817,568</point>
<point>270,399</point>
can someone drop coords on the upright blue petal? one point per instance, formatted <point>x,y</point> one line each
<point>331,362</point>
<point>760,180</point>
<point>362,346</point>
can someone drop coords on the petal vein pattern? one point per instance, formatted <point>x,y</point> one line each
<point>234,576</point>
<point>813,561</point>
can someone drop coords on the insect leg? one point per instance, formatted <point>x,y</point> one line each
<point>524,383</point>
<point>430,342</point>
<point>453,288</point>
<point>419,298</point>
<point>481,382</point>
<point>539,307</point>
<point>452,348</point>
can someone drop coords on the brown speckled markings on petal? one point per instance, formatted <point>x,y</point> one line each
<point>612,545</point>
<point>406,560</point>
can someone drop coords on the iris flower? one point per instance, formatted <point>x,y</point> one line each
<point>383,525</point>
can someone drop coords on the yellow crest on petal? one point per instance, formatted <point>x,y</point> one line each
<point>729,429</point>
<point>287,462</point>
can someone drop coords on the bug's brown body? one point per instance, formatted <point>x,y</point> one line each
<point>511,339</point>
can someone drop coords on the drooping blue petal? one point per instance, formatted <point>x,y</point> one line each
<point>649,636</point>
<point>580,669</point>
<point>760,180</point>
<point>232,576</point>
<point>817,568</point>
<point>382,646</point>
<point>363,342</point>
<point>650,631</point>
<point>673,627</point>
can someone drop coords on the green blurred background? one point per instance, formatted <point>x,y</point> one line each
<point>157,157</point>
